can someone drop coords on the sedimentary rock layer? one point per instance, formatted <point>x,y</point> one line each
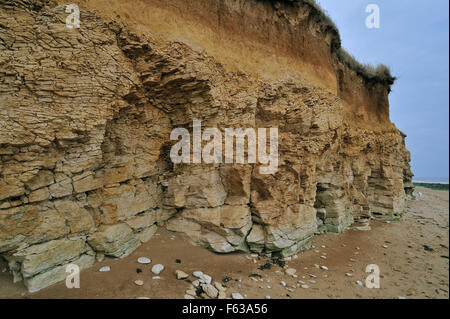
<point>86,116</point>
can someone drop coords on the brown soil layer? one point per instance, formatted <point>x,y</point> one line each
<point>407,268</point>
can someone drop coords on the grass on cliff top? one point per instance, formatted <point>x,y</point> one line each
<point>380,73</point>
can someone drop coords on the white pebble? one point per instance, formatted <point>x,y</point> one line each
<point>157,269</point>
<point>144,260</point>
<point>139,282</point>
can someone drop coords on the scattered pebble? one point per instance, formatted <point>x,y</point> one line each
<point>157,269</point>
<point>268,297</point>
<point>181,274</point>
<point>105,269</point>
<point>210,290</point>
<point>304,286</point>
<point>236,295</point>
<point>219,286</point>
<point>144,260</point>
<point>349,275</point>
<point>359,283</point>
<point>139,282</point>
<point>283,283</point>
<point>324,267</point>
<point>188,297</point>
<point>191,292</point>
<point>384,246</point>
<point>156,277</point>
<point>203,277</point>
<point>290,271</point>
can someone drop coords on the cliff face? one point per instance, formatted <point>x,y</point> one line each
<point>86,118</point>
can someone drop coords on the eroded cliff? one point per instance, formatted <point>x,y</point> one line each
<point>86,115</point>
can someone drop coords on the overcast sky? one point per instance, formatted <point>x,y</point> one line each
<point>413,41</point>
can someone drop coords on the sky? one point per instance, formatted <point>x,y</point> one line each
<point>412,40</point>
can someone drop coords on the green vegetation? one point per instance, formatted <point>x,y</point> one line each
<point>435,186</point>
<point>381,73</point>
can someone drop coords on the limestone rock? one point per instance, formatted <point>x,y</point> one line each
<point>39,258</point>
<point>180,275</point>
<point>210,290</point>
<point>116,240</point>
<point>139,282</point>
<point>86,119</point>
<point>157,269</point>
<point>56,274</point>
<point>144,260</point>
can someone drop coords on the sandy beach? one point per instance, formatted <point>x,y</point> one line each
<point>412,255</point>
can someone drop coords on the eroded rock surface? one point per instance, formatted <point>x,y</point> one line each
<point>85,120</point>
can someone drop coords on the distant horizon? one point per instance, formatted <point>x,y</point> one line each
<point>439,180</point>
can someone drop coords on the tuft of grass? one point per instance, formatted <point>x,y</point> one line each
<point>324,18</point>
<point>381,73</point>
